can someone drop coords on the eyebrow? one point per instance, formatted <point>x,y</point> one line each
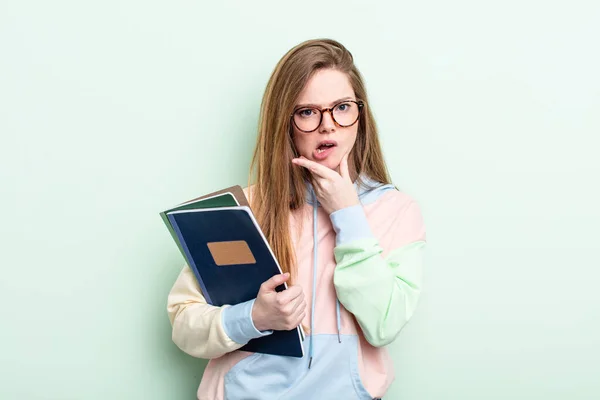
<point>330,104</point>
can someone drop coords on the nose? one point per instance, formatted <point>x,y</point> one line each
<point>327,124</point>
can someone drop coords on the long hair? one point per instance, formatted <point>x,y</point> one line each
<point>280,186</point>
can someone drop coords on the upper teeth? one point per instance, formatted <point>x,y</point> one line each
<point>324,145</point>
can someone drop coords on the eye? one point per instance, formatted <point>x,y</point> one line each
<point>305,112</point>
<point>343,107</point>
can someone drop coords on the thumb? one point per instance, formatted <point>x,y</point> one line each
<point>276,280</point>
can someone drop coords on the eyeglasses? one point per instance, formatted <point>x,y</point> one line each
<point>345,113</point>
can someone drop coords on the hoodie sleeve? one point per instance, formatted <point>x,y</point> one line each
<point>379,286</point>
<point>203,330</point>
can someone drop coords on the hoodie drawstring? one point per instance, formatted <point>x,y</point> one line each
<point>337,312</point>
<point>314,286</point>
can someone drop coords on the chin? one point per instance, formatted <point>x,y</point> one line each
<point>330,164</point>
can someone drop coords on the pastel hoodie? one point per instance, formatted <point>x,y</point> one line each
<point>360,270</point>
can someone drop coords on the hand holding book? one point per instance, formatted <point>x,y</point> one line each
<point>282,311</point>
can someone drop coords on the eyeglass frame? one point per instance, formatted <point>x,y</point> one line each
<point>359,103</point>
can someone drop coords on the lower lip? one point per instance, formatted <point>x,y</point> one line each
<point>321,155</point>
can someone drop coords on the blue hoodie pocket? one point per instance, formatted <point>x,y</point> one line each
<point>333,374</point>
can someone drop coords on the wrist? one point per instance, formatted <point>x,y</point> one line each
<point>348,204</point>
<point>238,324</point>
<point>257,318</point>
<point>350,224</point>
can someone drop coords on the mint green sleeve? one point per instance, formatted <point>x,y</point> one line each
<point>381,287</point>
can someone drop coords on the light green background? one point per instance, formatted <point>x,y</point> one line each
<point>112,111</point>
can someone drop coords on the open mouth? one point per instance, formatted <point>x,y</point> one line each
<point>324,149</point>
<point>325,146</point>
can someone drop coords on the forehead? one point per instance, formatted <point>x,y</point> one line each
<point>324,87</point>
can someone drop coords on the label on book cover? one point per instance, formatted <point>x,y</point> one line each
<point>231,253</point>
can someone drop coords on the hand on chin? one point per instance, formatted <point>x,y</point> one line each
<point>331,164</point>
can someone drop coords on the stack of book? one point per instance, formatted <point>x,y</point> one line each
<point>221,241</point>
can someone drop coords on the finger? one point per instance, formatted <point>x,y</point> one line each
<point>295,322</point>
<point>299,312</point>
<point>316,168</point>
<point>292,323</point>
<point>318,185</point>
<point>292,308</point>
<point>301,317</point>
<point>289,294</point>
<point>276,280</point>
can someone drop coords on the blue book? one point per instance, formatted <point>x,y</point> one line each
<point>231,258</point>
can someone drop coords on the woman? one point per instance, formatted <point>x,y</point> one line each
<point>347,240</point>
